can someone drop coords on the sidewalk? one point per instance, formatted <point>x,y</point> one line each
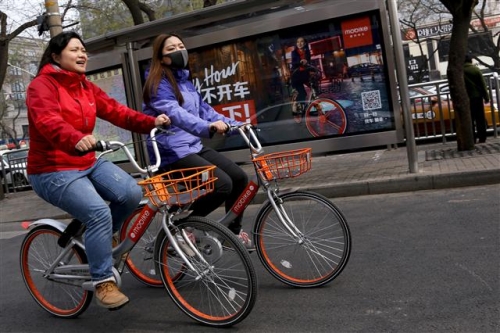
<point>346,174</point>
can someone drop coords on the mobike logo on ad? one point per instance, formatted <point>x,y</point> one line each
<point>245,197</point>
<point>357,32</point>
<point>140,225</point>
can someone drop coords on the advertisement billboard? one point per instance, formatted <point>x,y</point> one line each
<point>318,80</point>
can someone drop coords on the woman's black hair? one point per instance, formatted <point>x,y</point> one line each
<point>158,69</point>
<point>56,45</point>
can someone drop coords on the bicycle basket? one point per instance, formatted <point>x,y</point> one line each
<point>179,187</point>
<point>286,164</point>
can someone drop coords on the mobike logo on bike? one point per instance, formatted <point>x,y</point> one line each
<point>245,197</point>
<point>141,224</point>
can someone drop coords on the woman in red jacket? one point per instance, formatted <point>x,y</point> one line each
<point>62,110</point>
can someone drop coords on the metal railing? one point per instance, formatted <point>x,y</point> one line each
<point>432,108</point>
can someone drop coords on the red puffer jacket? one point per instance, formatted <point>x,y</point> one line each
<point>62,109</point>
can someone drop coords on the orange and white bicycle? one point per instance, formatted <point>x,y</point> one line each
<point>322,116</point>
<point>205,269</point>
<point>301,237</point>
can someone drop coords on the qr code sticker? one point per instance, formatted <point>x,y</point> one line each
<point>371,100</point>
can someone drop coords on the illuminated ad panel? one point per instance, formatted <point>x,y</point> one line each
<point>319,80</point>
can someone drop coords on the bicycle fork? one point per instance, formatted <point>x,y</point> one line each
<point>277,204</point>
<point>182,253</point>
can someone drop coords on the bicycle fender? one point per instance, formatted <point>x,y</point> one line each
<point>53,223</point>
<point>281,192</point>
<point>289,190</point>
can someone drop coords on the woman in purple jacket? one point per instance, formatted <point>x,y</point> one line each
<point>169,91</point>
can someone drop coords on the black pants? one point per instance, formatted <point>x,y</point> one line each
<point>231,182</point>
<point>299,79</point>
<point>478,119</point>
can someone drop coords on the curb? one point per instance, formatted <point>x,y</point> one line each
<point>407,183</point>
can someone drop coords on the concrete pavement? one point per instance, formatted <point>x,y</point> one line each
<point>374,171</point>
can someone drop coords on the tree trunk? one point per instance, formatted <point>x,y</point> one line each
<point>462,13</point>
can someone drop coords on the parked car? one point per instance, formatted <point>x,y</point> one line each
<point>427,113</point>
<point>364,69</point>
<point>14,163</point>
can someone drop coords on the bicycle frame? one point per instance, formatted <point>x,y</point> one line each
<point>279,221</point>
<point>141,224</point>
<point>254,185</point>
<point>149,210</point>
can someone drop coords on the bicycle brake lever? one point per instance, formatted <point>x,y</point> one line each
<point>164,130</point>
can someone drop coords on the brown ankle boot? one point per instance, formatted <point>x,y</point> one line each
<point>108,296</point>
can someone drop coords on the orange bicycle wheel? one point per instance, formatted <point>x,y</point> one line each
<point>220,287</point>
<point>325,117</point>
<point>60,297</point>
<point>318,250</point>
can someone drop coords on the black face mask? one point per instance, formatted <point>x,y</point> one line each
<point>179,59</point>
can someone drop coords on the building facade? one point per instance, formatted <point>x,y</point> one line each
<point>431,43</point>
<point>24,57</point>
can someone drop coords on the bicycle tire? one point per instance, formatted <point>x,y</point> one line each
<point>333,122</point>
<point>140,260</point>
<point>225,293</point>
<point>311,261</point>
<point>39,250</point>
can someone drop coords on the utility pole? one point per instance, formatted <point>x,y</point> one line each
<point>54,17</point>
<point>411,147</point>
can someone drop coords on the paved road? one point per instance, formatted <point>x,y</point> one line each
<point>424,261</point>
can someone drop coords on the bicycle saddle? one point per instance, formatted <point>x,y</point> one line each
<point>74,229</point>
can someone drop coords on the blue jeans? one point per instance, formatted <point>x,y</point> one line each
<point>83,194</point>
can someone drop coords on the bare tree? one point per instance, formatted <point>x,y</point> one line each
<point>485,45</point>
<point>415,14</point>
<point>139,11</point>
<point>5,39</point>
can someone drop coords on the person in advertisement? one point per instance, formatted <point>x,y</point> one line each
<point>169,90</point>
<point>62,110</point>
<point>301,58</point>
<point>476,89</point>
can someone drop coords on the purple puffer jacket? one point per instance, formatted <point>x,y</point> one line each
<point>190,122</point>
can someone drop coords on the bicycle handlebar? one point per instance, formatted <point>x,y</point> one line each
<point>246,131</point>
<point>307,67</point>
<point>107,147</point>
<point>248,134</point>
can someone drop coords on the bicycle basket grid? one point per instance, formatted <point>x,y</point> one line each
<point>179,187</point>
<point>286,164</point>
